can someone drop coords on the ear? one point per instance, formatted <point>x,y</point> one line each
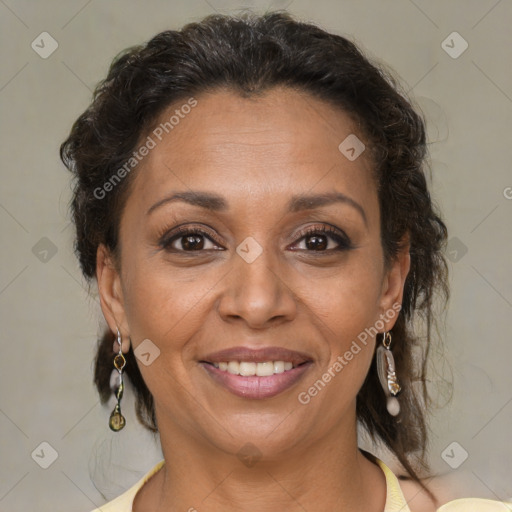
<point>111,294</point>
<point>393,283</point>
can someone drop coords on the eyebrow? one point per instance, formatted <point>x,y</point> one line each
<point>297,203</point>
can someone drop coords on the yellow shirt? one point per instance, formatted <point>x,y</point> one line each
<point>395,501</point>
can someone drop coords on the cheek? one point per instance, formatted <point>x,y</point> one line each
<point>160,302</point>
<point>348,300</point>
<point>169,311</point>
<point>346,324</point>
<point>346,309</point>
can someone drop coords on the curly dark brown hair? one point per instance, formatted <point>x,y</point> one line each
<point>249,55</point>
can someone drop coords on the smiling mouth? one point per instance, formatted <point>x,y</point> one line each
<point>254,379</point>
<point>252,368</point>
<point>256,373</point>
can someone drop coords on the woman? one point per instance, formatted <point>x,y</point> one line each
<point>250,198</point>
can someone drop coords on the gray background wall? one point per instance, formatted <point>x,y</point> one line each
<point>48,323</point>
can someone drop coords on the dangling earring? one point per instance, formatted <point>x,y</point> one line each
<point>387,375</point>
<point>117,420</point>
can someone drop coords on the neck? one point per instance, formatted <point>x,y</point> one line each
<point>328,474</point>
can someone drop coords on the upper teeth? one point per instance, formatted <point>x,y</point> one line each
<point>246,368</point>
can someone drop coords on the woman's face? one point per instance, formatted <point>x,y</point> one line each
<point>250,178</point>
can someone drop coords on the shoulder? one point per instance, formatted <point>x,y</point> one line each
<point>124,502</point>
<point>476,505</point>
<point>419,501</point>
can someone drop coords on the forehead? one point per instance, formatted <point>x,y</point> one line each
<point>278,142</point>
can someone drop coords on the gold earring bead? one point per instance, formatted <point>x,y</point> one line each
<point>117,421</point>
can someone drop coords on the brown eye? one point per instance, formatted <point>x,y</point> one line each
<point>317,242</point>
<point>192,242</point>
<point>324,239</point>
<point>188,240</point>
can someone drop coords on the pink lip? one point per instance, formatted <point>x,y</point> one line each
<point>259,355</point>
<point>255,387</point>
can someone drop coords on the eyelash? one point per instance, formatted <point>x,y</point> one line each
<point>340,238</point>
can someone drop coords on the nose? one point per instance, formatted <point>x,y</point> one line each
<point>256,294</point>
